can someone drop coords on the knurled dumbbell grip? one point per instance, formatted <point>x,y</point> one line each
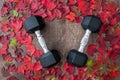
<point>84,40</point>
<point>41,41</point>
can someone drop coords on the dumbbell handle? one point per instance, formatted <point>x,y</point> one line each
<point>41,41</point>
<point>84,41</point>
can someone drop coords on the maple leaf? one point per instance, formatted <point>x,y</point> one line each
<point>71,16</point>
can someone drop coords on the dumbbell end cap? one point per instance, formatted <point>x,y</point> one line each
<point>34,23</point>
<point>76,58</point>
<point>50,59</point>
<point>91,22</point>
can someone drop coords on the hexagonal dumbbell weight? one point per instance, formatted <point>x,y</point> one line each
<point>91,24</point>
<point>35,24</point>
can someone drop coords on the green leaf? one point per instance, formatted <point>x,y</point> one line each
<point>90,63</point>
<point>13,43</point>
<point>117,68</point>
<point>53,78</point>
<point>15,13</point>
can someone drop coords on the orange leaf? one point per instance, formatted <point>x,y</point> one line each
<point>71,16</point>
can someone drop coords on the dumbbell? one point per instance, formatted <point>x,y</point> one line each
<point>34,24</point>
<point>91,24</point>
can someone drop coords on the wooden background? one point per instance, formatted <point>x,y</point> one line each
<point>62,36</point>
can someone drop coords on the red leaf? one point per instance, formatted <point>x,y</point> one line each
<point>37,54</point>
<point>3,50</point>
<point>12,68</point>
<point>71,16</point>
<point>28,2</point>
<point>82,5</point>
<point>69,69</point>
<point>28,66</point>
<point>40,13</point>
<point>13,0</point>
<point>4,28</point>
<point>114,56</point>
<point>116,49</point>
<point>113,74</point>
<point>34,6</point>
<point>58,13</point>
<point>5,72</point>
<point>101,42</point>
<point>100,50</point>
<point>7,57</point>
<point>49,4</point>
<point>16,24</point>
<point>100,58</point>
<point>113,21</point>
<point>78,19</point>
<point>21,69</point>
<point>71,2</point>
<point>27,59</point>
<point>23,38</point>
<point>37,67</point>
<point>65,10</point>
<point>30,48</point>
<point>50,15</point>
<point>91,49</point>
<point>4,9</point>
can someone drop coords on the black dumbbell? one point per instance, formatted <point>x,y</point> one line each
<point>91,24</point>
<point>34,24</point>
